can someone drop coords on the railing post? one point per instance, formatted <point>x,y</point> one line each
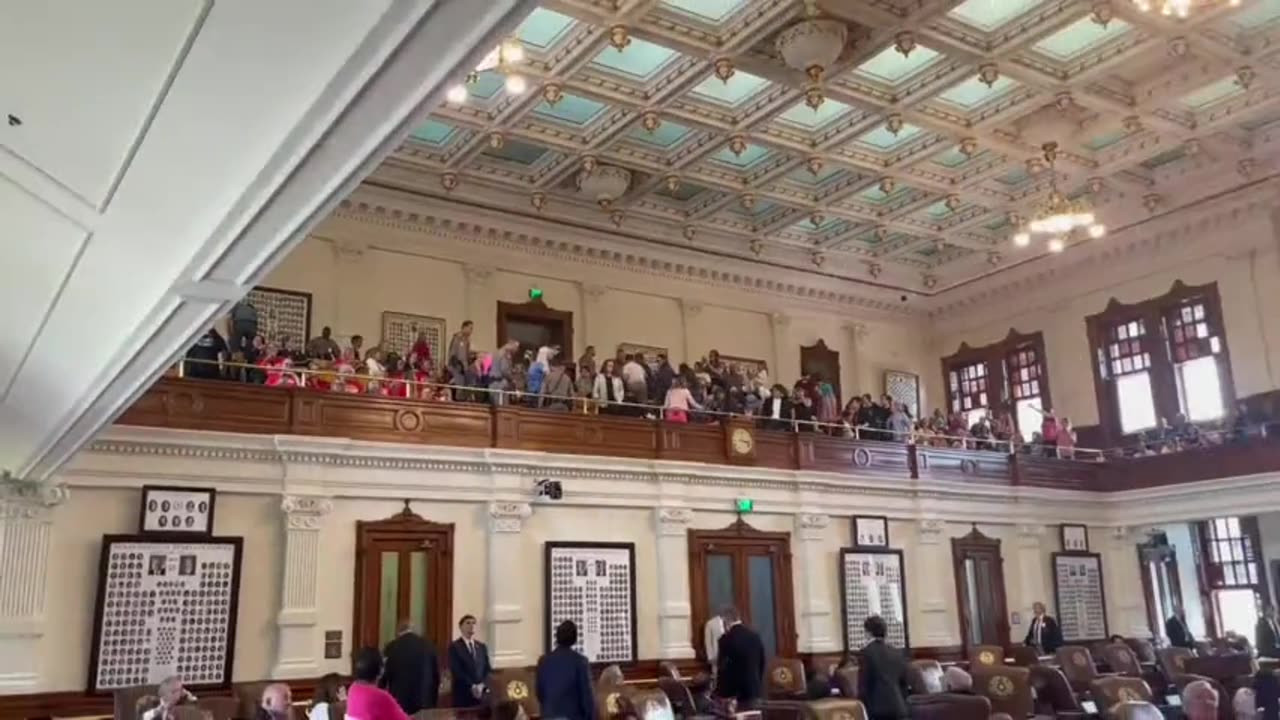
<point>913,463</point>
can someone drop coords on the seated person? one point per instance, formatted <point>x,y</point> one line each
<point>1136,711</point>
<point>329,692</point>
<point>958,681</point>
<point>1200,701</point>
<point>276,702</point>
<point>170,693</point>
<point>1245,704</point>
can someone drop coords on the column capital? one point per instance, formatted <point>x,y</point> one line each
<point>932,530</point>
<point>672,520</point>
<point>690,307</point>
<point>349,250</point>
<point>593,291</point>
<point>477,274</point>
<point>779,320</point>
<point>508,517</point>
<point>811,526</point>
<point>28,499</point>
<point>1122,534</point>
<point>1031,535</point>
<point>305,512</point>
<point>856,331</point>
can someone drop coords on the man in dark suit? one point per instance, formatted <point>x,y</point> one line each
<point>411,673</point>
<point>882,681</point>
<point>1044,634</point>
<point>1267,633</point>
<point>1175,628</point>
<point>563,680</point>
<point>469,665</point>
<point>740,663</point>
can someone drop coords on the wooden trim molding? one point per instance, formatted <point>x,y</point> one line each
<point>995,356</point>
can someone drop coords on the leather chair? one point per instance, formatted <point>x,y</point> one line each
<point>846,681</point>
<point>668,669</point>
<point>950,706</point>
<point>1054,696</point>
<point>784,679</point>
<point>1024,656</point>
<point>1145,651</point>
<point>1008,689</point>
<point>834,709</point>
<point>1173,662</point>
<point>925,677</point>
<point>516,685</point>
<point>249,695</point>
<point>610,699</point>
<point>1124,661</point>
<point>1112,690</point>
<point>985,656</point>
<point>678,694</point>
<point>644,703</point>
<point>1077,664</point>
<point>826,663</point>
<point>224,708</point>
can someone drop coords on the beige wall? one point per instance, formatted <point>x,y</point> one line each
<point>1248,281</point>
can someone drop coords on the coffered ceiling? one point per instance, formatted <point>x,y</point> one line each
<point>927,142</point>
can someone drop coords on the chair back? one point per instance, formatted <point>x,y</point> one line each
<point>784,677</point>
<point>515,685</point>
<point>1122,659</point>
<point>1077,664</point>
<point>191,712</point>
<point>610,699</point>
<point>249,695</point>
<point>985,656</point>
<point>220,708</point>
<point>1052,689</point>
<point>1024,656</point>
<point>645,705</point>
<point>668,669</point>
<point>1145,651</point>
<point>682,702</point>
<point>925,677</point>
<point>1112,690</point>
<point>951,706</point>
<point>1008,689</point>
<point>1173,661</point>
<point>846,679</point>
<point>834,709</point>
<point>826,663</point>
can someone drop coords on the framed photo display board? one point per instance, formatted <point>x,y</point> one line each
<point>165,607</point>
<point>1080,596</point>
<point>1075,538</point>
<point>870,531</point>
<point>400,331</point>
<point>873,582</point>
<point>281,314</point>
<point>594,585</point>
<point>176,510</point>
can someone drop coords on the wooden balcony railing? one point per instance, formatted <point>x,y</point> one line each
<point>234,407</point>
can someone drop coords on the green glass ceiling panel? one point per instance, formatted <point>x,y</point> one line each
<point>543,28</point>
<point>810,119</point>
<point>952,158</point>
<point>998,223</point>
<point>1165,158</point>
<point>804,177</point>
<point>827,225</point>
<point>1212,93</point>
<point>973,92</point>
<point>683,193</point>
<point>434,132</point>
<point>571,109</point>
<point>1080,36</point>
<point>881,139</point>
<point>712,11</point>
<point>640,59</point>
<point>938,210</point>
<point>928,251</point>
<point>517,152</point>
<point>740,87</point>
<point>752,155</point>
<point>667,135</point>
<point>890,67</point>
<point>990,14</point>
<point>1014,177</point>
<point>877,196</point>
<point>759,209</point>
<point>487,84</point>
<point>1255,14</point>
<point>1106,140</point>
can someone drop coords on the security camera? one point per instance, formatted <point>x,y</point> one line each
<point>548,488</point>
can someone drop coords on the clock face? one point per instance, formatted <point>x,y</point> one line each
<point>742,441</point>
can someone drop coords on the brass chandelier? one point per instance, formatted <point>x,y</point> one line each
<point>1058,216</point>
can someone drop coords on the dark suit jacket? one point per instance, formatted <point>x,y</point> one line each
<point>1050,635</point>
<point>740,665</point>
<point>563,685</point>
<point>882,681</point>
<point>784,421</point>
<point>1178,633</point>
<point>467,671</point>
<point>1265,640</point>
<point>411,674</point>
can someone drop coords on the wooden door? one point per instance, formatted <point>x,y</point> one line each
<point>980,593</point>
<point>1161,586</point>
<point>818,359</point>
<point>749,570</point>
<point>404,571</point>
<point>533,325</point>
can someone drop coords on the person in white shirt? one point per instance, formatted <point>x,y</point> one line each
<point>329,692</point>
<point>711,634</point>
<point>633,377</point>
<point>170,693</point>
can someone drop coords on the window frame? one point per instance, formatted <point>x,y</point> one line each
<point>1212,538</point>
<point>996,358</point>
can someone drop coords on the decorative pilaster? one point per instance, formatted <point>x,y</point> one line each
<point>671,530</point>
<point>299,647</point>
<point>785,364</point>
<point>689,309</point>
<point>590,304</point>
<point>855,335</point>
<point>478,302</point>
<point>506,589</point>
<point>933,560</point>
<point>1126,611</point>
<point>26,518</point>
<point>349,256</point>
<point>1033,586</point>
<point>813,570</point>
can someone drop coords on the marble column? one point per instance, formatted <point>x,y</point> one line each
<point>348,261</point>
<point>1033,585</point>
<point>786,364</point>
<point>479,306</point>
<point>671,528</point>
<point>814,571</point>
<point>26,520</point>
<point>855,335</point>
<point>506,588</point>
<point>585,324</point>
<point>299,646</point>
<point>932,569</point>
<point>1126,605</point>
<point>690,309</point>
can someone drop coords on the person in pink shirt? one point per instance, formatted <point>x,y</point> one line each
<point>365,700</point>
<point>679,402</point>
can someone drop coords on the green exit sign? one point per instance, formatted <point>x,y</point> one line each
<point>745,505</point>
<point>535,293</point>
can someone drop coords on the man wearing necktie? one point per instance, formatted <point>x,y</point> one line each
<point>1044,634</point>
<point>1267,633</point>
<point>469,665</point>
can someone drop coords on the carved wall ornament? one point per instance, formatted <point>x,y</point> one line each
<point>904,42</point>
<point>724,69</point>
<point>509,517</point>
<point>29,499</point>
<point>619,37</point>
<point>305,512</point>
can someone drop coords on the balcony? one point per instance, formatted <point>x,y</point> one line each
<point>233,407</point>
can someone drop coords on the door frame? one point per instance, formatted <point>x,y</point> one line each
<point>406,525</point>
<point>739,533</point>
<point>537,311</point>
<point>977,543</point>
<point>818,353</point>
<point>1168,556</point>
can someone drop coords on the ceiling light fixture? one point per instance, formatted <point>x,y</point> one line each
<point>503,59</point>
<point>811,46</point>
<point>1058,215</point>
<point>1176,8</point>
